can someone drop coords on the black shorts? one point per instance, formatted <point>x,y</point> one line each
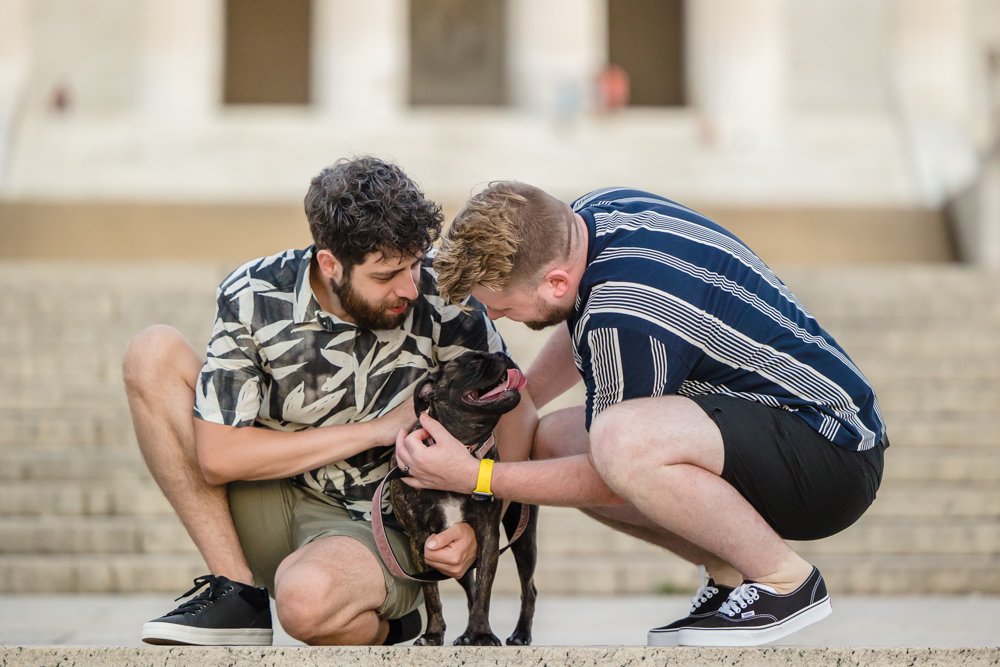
<point>803,485</point>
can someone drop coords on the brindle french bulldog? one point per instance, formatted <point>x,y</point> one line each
<point>468,395</point>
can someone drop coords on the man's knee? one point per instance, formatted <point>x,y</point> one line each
<point>302,614</point>
<point>150,355</point>
<point>610,441</point>
<point>623,438</point>
<point>322,590</point>
<point>315,609</point>
<point>634,437</point>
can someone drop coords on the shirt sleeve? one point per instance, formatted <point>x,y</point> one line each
<point>463,331</point>
<point>623,363</point>
<point>229,386</point>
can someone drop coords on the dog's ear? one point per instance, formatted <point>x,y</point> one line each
<point>424,393</point>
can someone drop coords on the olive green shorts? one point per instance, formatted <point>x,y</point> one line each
<point>274,518</point>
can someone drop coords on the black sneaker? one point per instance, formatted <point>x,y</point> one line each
<point>405,628</point>
<point>706,601</point>
<point>757,614</point>
<point>225,613</point>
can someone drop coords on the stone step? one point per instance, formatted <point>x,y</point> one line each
<point>79,465</point>
<point>972,398</point>
<point>477,656</point>
<point>561,536</point>
<point>579,574</point>
<point>94,535</point>
<point>919,429</point>
<point>46,498</point>
<point>571,533</point>
<point>935,374</point>
<point>871,574</point>
<point>875,293</point>
<point>953,463</point>
<point>106,426</point>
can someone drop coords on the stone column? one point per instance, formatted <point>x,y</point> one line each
<point>183,54</point>
<point>931,94</point>
<point>15,30</point>
<point>360,57</point>
<point>555,49</point>
<point>736,55</point>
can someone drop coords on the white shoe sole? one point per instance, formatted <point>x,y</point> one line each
<point>172,633</point>
<point>664,638</point>
<point>695,636</point>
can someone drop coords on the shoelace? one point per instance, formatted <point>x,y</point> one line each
<point>742,597</point>
<point>202,600</point>
<point>702,595</point>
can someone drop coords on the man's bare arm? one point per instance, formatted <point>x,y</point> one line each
<point>570,481</point>
<point>553,371</point>
<point>229,453</point>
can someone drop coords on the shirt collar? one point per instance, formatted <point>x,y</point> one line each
<point>307,308</point>
<point>306,305</point>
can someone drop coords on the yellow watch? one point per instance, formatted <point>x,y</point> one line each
<point>482,491</point>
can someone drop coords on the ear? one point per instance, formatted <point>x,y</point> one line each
<point>330,266</point>
<point>424,394</point>
<point>555,284</point>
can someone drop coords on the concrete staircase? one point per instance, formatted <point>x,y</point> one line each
<point>79,512</point>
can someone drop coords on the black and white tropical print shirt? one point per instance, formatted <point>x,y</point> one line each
<point>277,360</point>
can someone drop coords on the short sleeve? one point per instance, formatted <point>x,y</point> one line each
<point>229,386</point>
<point>465,330</point>
<point>623,363</point>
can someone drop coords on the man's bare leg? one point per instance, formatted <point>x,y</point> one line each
<point>326,593</point>
<point>563,433</point>
<point>665,456</point>
<point>160,369</point>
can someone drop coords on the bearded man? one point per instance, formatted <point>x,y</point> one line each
<point>307,380</point>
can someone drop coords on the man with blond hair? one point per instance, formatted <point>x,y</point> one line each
<point>720,418</point>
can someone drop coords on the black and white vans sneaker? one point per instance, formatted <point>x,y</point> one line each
<point>757,614</point>
<point>706,601</point>
<point>225,613</point>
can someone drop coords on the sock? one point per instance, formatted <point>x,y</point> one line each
<point>404,629</point>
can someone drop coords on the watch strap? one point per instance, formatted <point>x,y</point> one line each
<point>483,490</point>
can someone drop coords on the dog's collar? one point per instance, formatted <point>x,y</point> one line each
<point>483,448</point>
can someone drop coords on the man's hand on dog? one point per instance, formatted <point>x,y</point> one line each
<point>443,464</point>
<point>452,551</point>
<point>388,424</point>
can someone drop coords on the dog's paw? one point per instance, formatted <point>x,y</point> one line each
<point>429,640</point>
<point>477,639</point>
<point>519,639</point>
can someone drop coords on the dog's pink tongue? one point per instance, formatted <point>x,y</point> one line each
<point>515,380</point>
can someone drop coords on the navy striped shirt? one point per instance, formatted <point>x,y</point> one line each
<point>672,303</point>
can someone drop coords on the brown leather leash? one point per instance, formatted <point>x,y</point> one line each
<point>382,540</point>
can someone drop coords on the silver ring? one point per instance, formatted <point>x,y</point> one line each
<point>405,470</point>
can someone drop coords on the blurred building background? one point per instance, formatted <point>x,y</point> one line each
<point>148,146</point>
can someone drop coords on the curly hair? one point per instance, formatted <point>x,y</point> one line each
<point>507,234</point>
<point>363,205</point>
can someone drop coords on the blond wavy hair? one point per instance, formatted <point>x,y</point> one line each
<point>506,235</point>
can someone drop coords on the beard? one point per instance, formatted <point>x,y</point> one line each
<point>551,316</point>
<point>365,314</point>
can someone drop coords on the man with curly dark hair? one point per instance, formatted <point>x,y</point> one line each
<point>306,383</point>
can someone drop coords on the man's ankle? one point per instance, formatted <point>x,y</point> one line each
<point>789,576</point>
<point>237,575</point>
<point>724,574</point>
